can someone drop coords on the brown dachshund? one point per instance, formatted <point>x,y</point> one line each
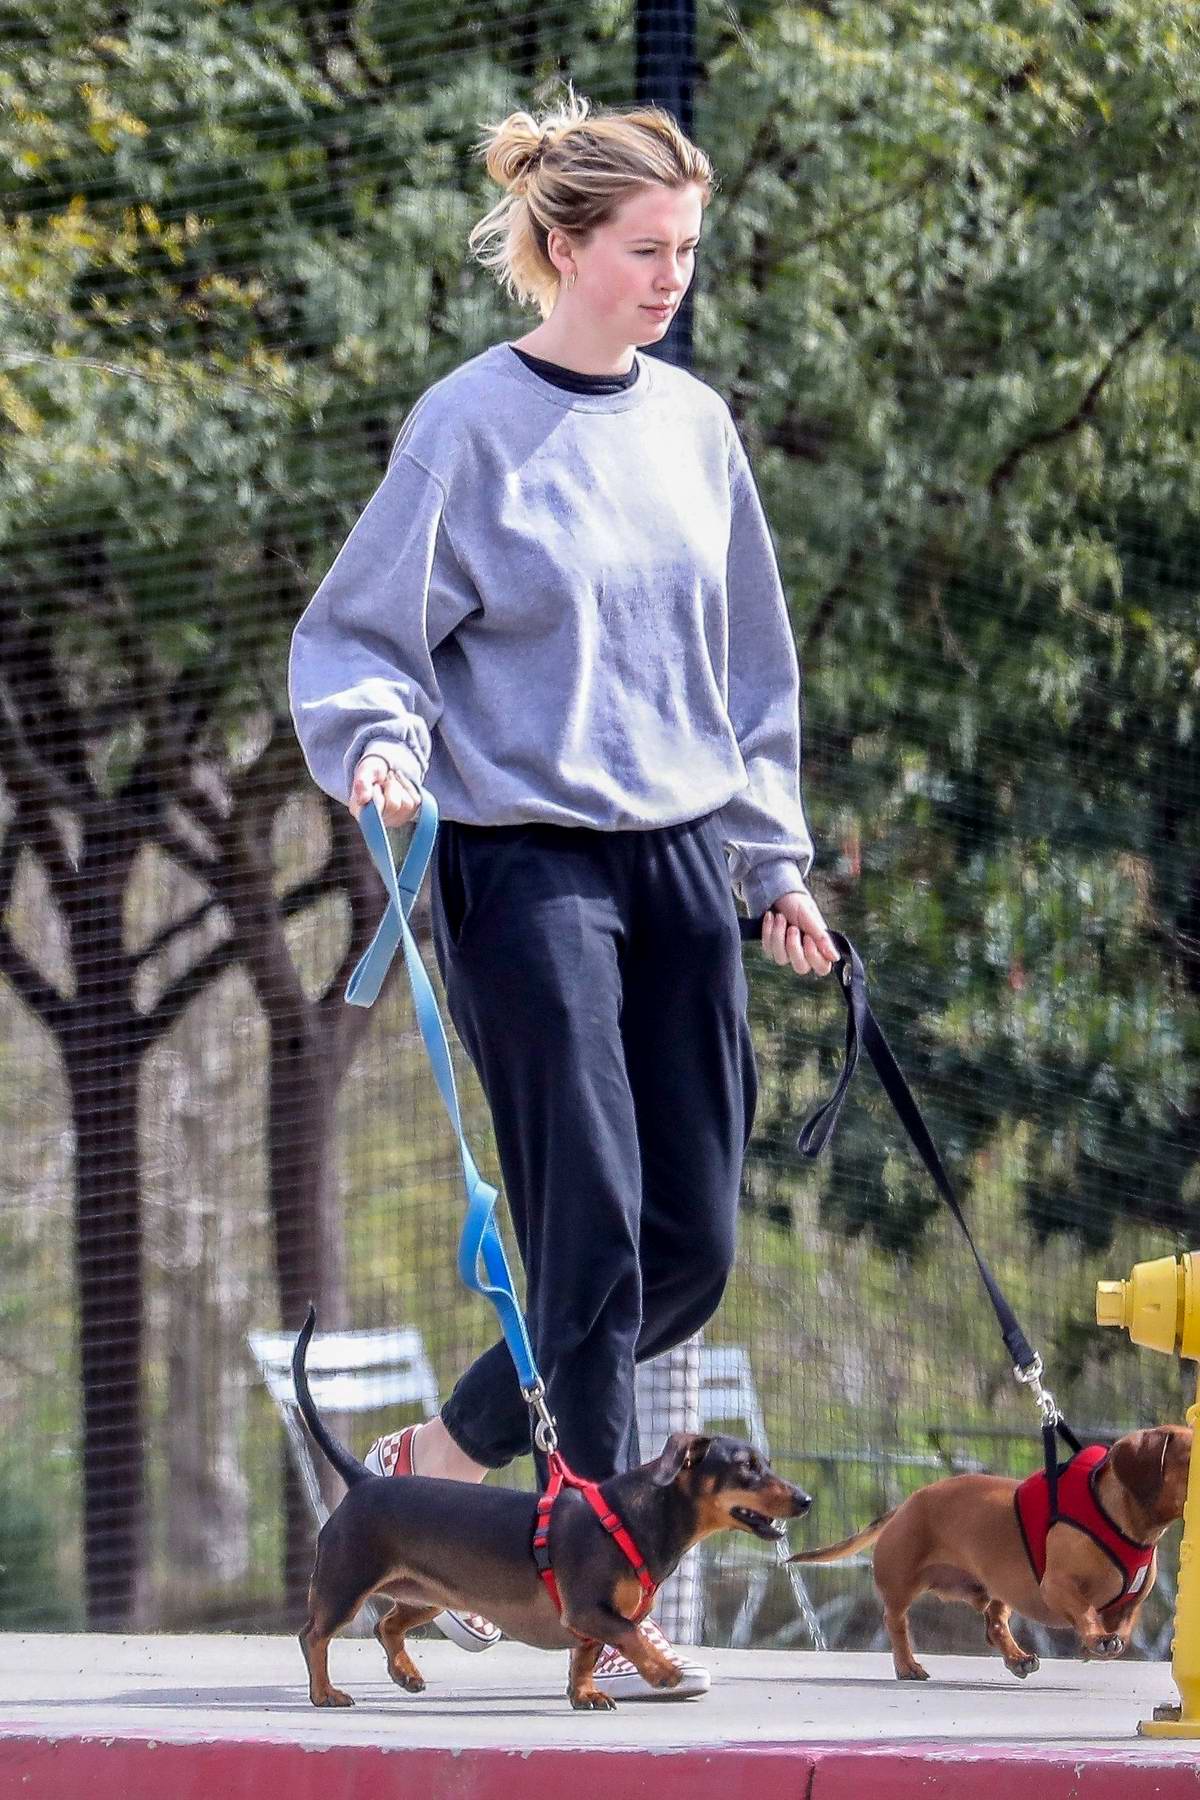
<point>430,1544</point>
<point>961,1540</point>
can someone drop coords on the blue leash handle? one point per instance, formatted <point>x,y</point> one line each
<point>480,1241</point>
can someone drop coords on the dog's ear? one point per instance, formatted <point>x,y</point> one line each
<point>682,1450</point>
<point>1138,1461</point>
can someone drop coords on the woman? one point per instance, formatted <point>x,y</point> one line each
<point>561,611</point>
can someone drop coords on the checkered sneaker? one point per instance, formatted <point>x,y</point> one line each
<point>384,1453</point>
<point>616,1676</point>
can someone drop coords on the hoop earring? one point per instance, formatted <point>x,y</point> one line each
<point>570,281</point>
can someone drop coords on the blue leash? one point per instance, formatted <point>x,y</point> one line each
<point>480,1241</point>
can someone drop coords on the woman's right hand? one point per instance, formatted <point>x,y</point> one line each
<point>401,801</point>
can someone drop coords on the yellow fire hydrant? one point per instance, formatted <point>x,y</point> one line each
<point>1159,1306</point>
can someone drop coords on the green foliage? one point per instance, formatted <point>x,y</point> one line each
<point>959,289</point>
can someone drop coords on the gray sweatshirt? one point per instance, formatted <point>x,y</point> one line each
<point>566,607</point>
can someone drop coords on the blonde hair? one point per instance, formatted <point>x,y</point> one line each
<point>573,169</point>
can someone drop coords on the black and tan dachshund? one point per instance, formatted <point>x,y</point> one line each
<point>430,1544</point>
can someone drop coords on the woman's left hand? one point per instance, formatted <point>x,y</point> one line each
<point>794,932</point>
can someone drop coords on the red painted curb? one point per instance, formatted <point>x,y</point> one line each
<point>37,1767</point>
<point>124,1768</point>
<point>959,1771</point>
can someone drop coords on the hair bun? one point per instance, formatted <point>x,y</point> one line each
<point>514,148</point>
<point>536,152</point>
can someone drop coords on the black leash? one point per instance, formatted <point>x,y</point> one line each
<point>863,1032</point>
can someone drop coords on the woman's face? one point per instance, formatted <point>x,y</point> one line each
<point>642,260</point>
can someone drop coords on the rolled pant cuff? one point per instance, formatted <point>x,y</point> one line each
<point>466,1444</point>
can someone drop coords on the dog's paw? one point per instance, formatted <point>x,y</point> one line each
<point>332,1697</point>
<point>592,1699</point>
<point>1029,1664</point>
<point>913,1672</point>
<point>1105,1648</point>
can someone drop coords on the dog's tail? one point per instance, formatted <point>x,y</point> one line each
<point>862,1540</point>
<point>347,1466</point>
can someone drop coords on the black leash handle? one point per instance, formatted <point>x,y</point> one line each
<point>863,1032</point>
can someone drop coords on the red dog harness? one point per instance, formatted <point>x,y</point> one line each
<point>1078,1506</point>
<point>560,1477</point>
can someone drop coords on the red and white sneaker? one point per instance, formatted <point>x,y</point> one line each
<point>616,1675</point>
<point>392,1455</point>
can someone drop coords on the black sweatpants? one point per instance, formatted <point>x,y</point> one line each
<point>595,980</point>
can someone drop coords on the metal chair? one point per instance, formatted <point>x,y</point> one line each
<point>348,1372</point>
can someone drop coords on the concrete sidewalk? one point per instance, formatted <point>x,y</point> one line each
<point>173,1716</point>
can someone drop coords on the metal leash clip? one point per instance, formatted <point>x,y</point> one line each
<point>545,1433</point>
<point>1043,1399</point>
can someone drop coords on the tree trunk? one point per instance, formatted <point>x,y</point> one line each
<point>103,1071</point>
<point>102,1049</point>
<point>198,1133</point>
